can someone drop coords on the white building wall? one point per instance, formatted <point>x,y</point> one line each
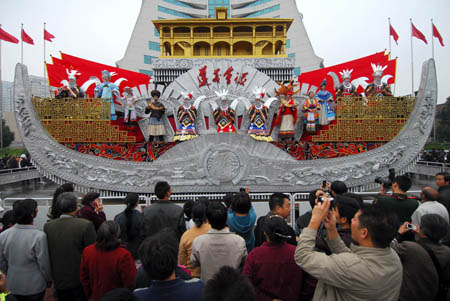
<point>144,32</point>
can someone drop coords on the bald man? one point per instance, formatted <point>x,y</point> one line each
<point>429,204</point>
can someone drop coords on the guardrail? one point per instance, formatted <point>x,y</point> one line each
<point>11,170</point>
<point>431,163</point>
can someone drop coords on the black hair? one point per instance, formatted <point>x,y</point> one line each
<point>131,200</point>
<point>204,200</point>
<point>445,174</point>
<point>8,219</point>
<point>241,203</point>
<point>54,212</point>
<point>312,197</point>
<point>161,189</point>
<point>217,215</point>
<point>355,196</point>
<point>159,255</point>
<point>108,236</point>
<point>338,187</point>
<point>199,213</point>
<point>434,227</point>
<point>381,224</point>
<point>156,92</point>
<point>90,197</point>
<point>119,294</point>
<point>187,208</point>
<point>403,182</point>
<point>228,285</point>
<point>347,207</point>
<point>228,199</point>
<point>67,202</point>
<point>24,211</point>
<point>276,229</point>
<point>277,199</point>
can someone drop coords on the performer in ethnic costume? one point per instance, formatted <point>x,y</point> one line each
<point>287,113</point>
<point>70,91</point>
<point>346,88</point>
<point>187,114</point>
<point>311,108</point>
<point>107,90</point>
<point>128,102</point>
<point>258,113</point>
<point>224,115</point>
<point>156,122</point>
<point>326,114</point>
<point>377,88</point>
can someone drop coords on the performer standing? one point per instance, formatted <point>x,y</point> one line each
<point>326,114</point>
<point>377,88</point>
<point>128,102</point>
<point>187,114</point>
<point>224,115</point>
<point>156,123</point>
<point>311,108</point>
<point>107,90</point>
<point>258,113</point>
<point>70,91</point>
<point>287,116</point>
<point>346,88</point>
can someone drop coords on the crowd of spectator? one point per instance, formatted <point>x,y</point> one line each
<point>394,248</point>
<point>435,155</point>
<point>10,162</point>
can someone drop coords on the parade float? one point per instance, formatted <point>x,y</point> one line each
<point>229,113</point>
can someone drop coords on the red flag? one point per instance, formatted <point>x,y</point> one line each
<point>393,33</point>
<point>48,36</point>
<point>418,34</point>
<point>436,34</point>
<point>7,37</point>
<point>26,38</point>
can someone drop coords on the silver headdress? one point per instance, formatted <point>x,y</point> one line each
<point>346,73</point>
<point>222,94</point>
<point>377,69</point>
<point>259,92</point>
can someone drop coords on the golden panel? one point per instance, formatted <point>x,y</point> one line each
<point>367,119</point>
<point>79,120</point>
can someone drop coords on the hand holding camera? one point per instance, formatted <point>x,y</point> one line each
<point>407,227</point>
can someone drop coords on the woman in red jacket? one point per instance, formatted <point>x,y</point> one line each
<point>106,264</point>
<point>92,209</point>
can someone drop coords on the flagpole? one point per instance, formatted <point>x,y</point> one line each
<point>389,35</point>
<point>432,40</point>
<point>44,49</point>
<point>1,97</point>
<point>21,38</point>
<point>412,62</point>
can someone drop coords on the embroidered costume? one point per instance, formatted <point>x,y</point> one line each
<point>327,106</point>
<point>346,88</point>
<point>224,116</point>
<point>311,109</point>
<point>107,91</point>
<point>377,88</point>
<point>258,113</point>
<point>187,114</point>
<point>156,122</point>
<point>128,102</point>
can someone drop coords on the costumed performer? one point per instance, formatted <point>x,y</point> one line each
<point>346,88</point>
<point>311,108</point>
<point>71,90</point>
<point>258,113</point>
<point>187,114</point>
<point>287,113</point>
<point>156,109</point>
<point>377,88</point>
<point>107,90</point>
<point>326,113</point>
<point>224,115</point>
<point>128,102</point>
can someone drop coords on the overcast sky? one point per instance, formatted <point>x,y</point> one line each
<point>339,31</point>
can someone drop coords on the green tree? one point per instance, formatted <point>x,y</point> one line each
<point>443,124</point>
<point>8,136</point>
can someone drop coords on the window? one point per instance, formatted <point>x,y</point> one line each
<point>148,59</point>
<point>179,3</point>
<point>154,46</point>
<point>297,71</point>
<point>258,3</point>
<point>173,12</point>
<point>291,55</point>
<point>264,11</point>
<point>156,32</point>
<point>148,72</point>
<point>288,44</point>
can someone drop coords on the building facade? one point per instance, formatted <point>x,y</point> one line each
<point>144,46</point>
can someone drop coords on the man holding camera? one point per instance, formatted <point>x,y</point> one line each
<point>398,202</point>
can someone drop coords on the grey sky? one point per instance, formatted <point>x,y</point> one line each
<point>339,31</point>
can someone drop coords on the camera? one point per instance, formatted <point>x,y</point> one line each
<point>411,226</point>
<point>386,181</point>
<point>321,199</point>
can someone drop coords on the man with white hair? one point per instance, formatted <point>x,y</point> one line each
<point>346,88</point>
<point>70,91</point>
<point>377,88</point>
<point>224,115</point>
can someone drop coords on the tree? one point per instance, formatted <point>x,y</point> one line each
<point>8,136</point>
<point>443,124</point>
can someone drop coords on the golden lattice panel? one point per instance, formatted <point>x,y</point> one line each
<point>73,109</point>
<point>363,119</point>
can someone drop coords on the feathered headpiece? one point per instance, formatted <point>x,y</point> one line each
<point>287,89</point>
<point>72,74</point>
<point>377,69</point>
<point>187,95</point>
<point>346,73</point>
<point>259,92</point>
<point>222,94</point>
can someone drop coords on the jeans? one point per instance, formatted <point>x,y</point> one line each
<point>73,294</point>
<point>36,297</point>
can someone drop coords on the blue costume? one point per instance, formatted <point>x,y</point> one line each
<point>107,90</point>
<point>325,99</point>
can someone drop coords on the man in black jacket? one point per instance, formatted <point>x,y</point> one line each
<point>279,204</point>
